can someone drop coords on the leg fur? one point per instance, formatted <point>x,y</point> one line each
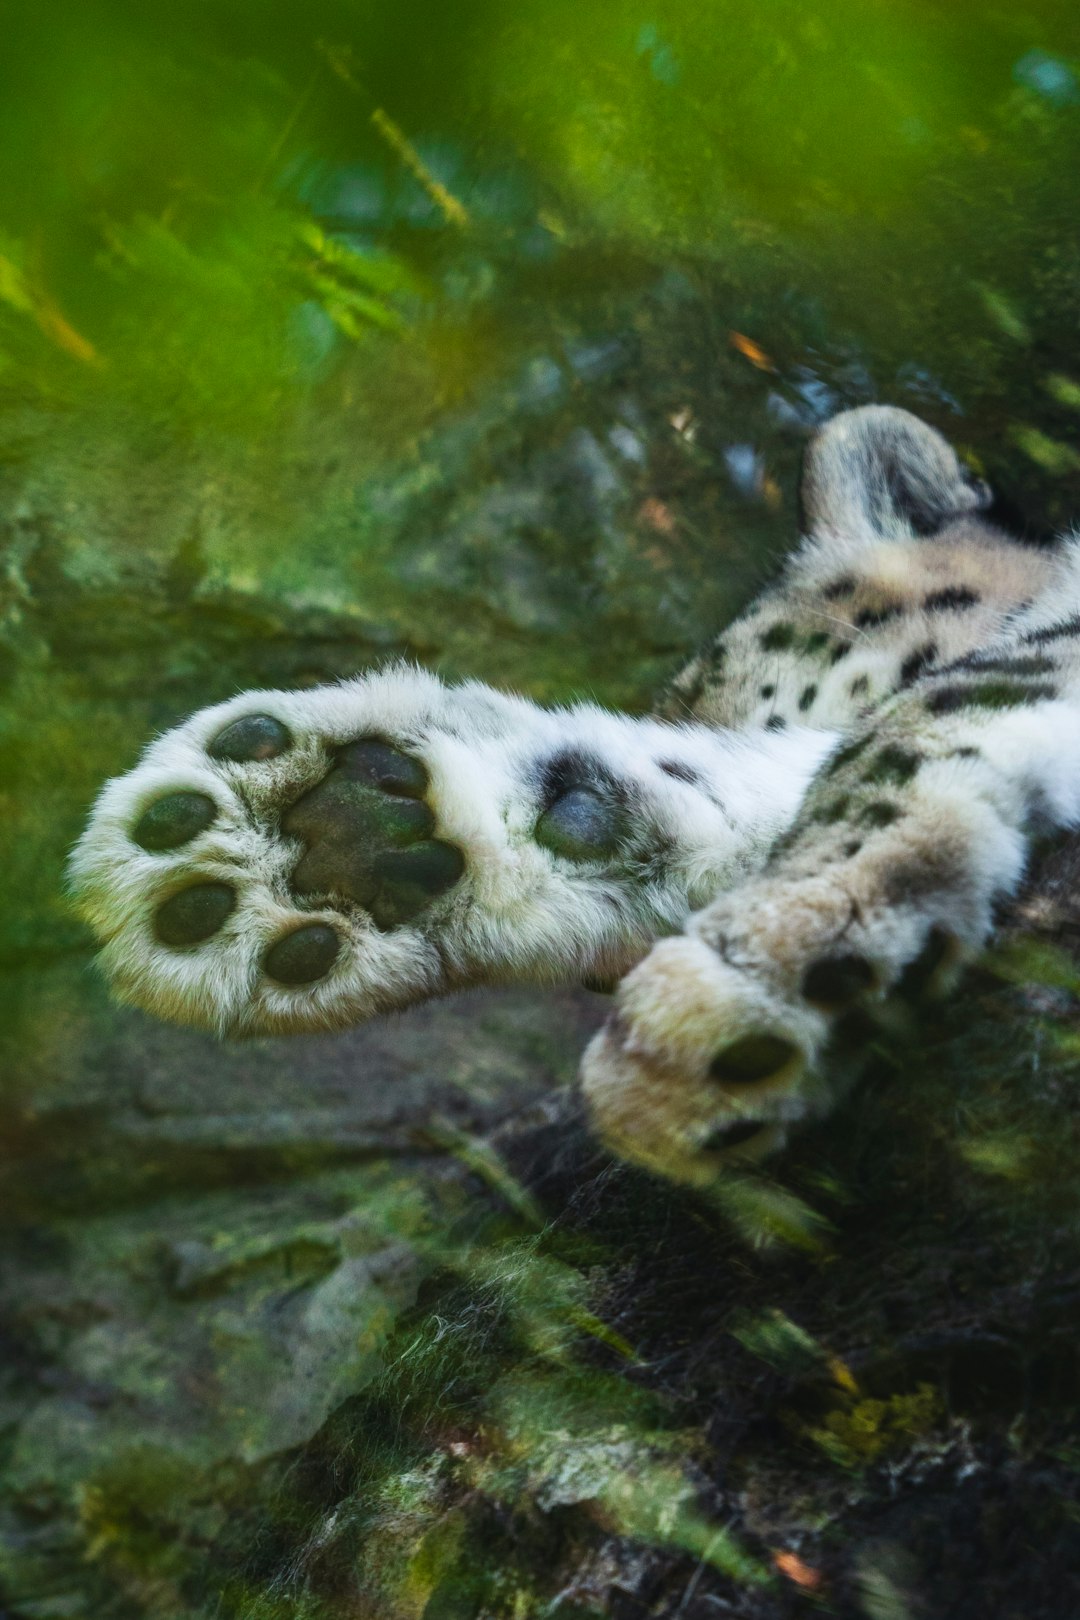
<point>896,575</point>
<point>917,824</point>
<point>302,860</point>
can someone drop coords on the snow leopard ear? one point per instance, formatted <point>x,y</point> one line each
<point>878,472</point>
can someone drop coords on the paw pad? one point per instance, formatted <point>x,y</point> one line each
<point>303,956</point>
<point>412,878</point>
<point>922,975</point>
<point>255,737</point>
<point>194,914</point>
<point>383,766</point>
<point>367,831</point>
<point>173,820</point>
<point>753,1058</point>
<point>581,825</point>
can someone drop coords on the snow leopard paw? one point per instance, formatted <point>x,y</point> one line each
<point>721,1042</point>
<point>712,1058</point>
<point>302,860</point>
<point>702,1063</point>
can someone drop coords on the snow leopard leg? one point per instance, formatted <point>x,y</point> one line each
<point>290,861</point>
<point>905,621</point>
<point>907,837</point>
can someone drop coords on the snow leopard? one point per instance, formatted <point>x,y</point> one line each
<point>820,816</point>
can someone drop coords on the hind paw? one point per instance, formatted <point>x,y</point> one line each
<point>702,1063</point>
<point>719,1045</point>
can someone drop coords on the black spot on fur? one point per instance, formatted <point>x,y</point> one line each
<point>841,650</point>
<point>817,641</point>
<point>684,692</point>
<point>919,875</point>
<point>879,814</point>
<point>575,768</point>
<point>917,663</point>
<point>872,618</point>
<point>964,753</point>
<point>948,699</point>
<point>696,688</point>
<point>778,637</point>
<point>954,598</point>
<point>1024,665</point>
<point>806,698</point>
<point>839,587</point>
<point>852,849</point>
<point>849,752</point>
<point>785,842</point>
<point>1054,632</point>
<point>767,692</point>
<point>775,723</point>
<point>893,764</point>
<point>681,772</point>
<point>829,814</point>
<point>1003,694</point>
<point>836,981</point>
<point>859,686</point>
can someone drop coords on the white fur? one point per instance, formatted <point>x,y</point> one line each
<point>519,912</point>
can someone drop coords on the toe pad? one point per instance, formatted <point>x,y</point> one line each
<point>255,737</point>
<point>194,914</point>
<point>303,956</point>
<point>173,820</point>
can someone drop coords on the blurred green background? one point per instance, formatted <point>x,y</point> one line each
<point>489,335</point>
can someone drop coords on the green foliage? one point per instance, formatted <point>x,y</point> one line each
<point>864,1431</point>
<point>767,1214</point>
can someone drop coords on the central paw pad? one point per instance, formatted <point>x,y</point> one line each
<point>367,832</point>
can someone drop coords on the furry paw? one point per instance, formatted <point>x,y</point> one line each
<point>701,1064</point>
<point>717,1042</point>
<point>290,861</point>
<point>715,1050</point>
